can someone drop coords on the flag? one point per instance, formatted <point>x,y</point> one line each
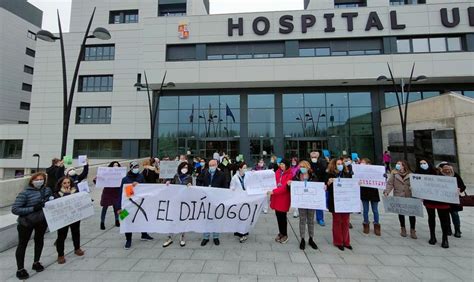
<point>191,117</point>
<point>228,112</point>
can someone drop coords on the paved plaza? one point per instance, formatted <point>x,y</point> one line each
<point>389,257</point>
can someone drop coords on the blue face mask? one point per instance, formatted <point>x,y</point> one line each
<point>135,170</point>
<point>340,167</point>
<point>424,166</point>
<point>212,169</point>
<point>303,170</point>
<point>398,167</point>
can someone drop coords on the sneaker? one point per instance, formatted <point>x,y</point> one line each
<point>117,223</point>
<point>321,223</point>
<point>348,247</point>
<point>284,240</point>
<point>37,266</point>
<point>265,211</point>
<point>61,260</point>
<point>295,214</point>
<point>182,243</point>
<point>128,244</point>
<point>216,241</point>
<point>22,274</point>
<point>146,237</point>
<point>168,242</point>
<point>102,226</point>
<point>340,248</point>
<point>243,239</point>
<point>278,238</point>
<point>79,252</point>
<point>204,242</point>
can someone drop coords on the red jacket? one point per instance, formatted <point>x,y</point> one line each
<point>281,200</point>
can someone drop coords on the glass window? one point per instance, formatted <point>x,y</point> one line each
<point>337,100</point>
<point>214,57</point>
<point>339,53</point>
<point>429,94</point>
<point>403,46</point>
<point>260,56</point>
<point>361,129</point>
<point>454,44</point>
<point>93,115</point>
<point>323,52</point>
<point>373,52</point>
<point>356,53</point>
<point>261,101</point>
<point>209,101</point>
<point>309,52</point>
<point>293,114</point>
<point>420,45</point>
<point>438,44</point>
<point>244,56</point>
<point>233,101</point>
<point>168,102</point>
<point>11,149</point>
<point>30,52</point>
<point>361,99</point>
<point>168,116</point>
<point>293,129</point>
<point>261,115</point>
<point>469,94</point>
<point>361,115</point>
<point>293,100</point>
<point>102,83</point>
<point>189,102</point>
<point>261,130</point>
<point>229,57</point>
<point>277,55</point>
<point>28,69</point>
<point>315,100</point>
<point>99,53</point>
<point>123,16</point>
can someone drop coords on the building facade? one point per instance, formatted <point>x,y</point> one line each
<point>256,84</point>
<point>19,21</point>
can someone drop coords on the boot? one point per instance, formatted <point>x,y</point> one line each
<point>445,243</point>
<point>403,232</point>
<point>102,226</point>
<point>302,244</point>
<point>366,228</point>
<point>61,260</point>
<point>413,234</point>
<point>432,240</point>
<point>457,231</point>
<point>450,231</point>
<point>377,230</point>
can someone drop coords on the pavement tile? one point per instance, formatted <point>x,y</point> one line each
<point>433,273</point>
<point>294,269</point>
<point>153,265</point>
<point>353,271</point>
<point>197,277</point>
<point>220,266</point>
<point>182,266</point>
<point>237,278</point>
<point>119,264</point>
<point>257,268</point>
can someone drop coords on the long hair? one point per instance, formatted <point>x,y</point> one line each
<point>113,163</point>
<point>61,180</point>
<point>332,167</point>
<point>36,175</point>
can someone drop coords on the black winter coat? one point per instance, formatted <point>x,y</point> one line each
<point>218,181</point>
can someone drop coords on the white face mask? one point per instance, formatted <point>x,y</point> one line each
<point>347,163</point>
<point>184,170</point>
<point>38,183</point>
<point>424,166</point>
<point>314,160</point>
<point>72,173</point>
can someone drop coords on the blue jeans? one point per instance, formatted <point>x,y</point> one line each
<point>375,211</point>
<point>455,218</point>
<point>207,235</point>
<point>319,215</point>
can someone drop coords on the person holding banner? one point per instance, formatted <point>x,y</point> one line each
<point>432,206</point>
<point>72,173</point>
<point>182,177</point>
<point>66,187</point>
<point>133,177</point>
<point>237,184</point>
<point>216,179</point>
<point>280,199</point>
<point>305,174</point>
<point>340,221</point>
<point>28,206</point>
<point>110,197</point>
<point>447,170</point>
<point>399,183</point>
<point>150,172</point>
<point>318,168</point>
<point>370,196</point>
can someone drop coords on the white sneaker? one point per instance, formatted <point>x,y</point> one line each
<point>295,214</point>
<point>182,243</point>
<point>168,242</point>
<point>243,239</point>
<point>265,211</point>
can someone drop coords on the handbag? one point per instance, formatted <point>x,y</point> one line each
<point>32,219</point>
<point>466,200</point>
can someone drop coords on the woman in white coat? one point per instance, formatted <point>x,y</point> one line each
<point>237,184</point>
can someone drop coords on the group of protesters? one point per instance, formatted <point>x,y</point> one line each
<point>221,171</point>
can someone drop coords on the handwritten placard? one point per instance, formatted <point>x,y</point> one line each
<point>82,160</point>
<point>66,210</point>
<point>371,176</point>
<point>168,169</point>
<point>259,182</point>
<point>436,188</point>
<point>308,195</point>
<point>346,195</point>
<point>110,176</point>
<point>404,206</point>
<point>83,186</point>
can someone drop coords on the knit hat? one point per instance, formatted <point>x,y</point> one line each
<point>442,164</point>
<point>134,164</point>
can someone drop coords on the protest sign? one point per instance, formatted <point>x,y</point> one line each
<point>161,208</point>
<point>436,188</point>
<point>83,186</point>
<point>66,210</point>
<point>404,206</point>
<point>308,195</point>
<point>326,153</point>
<point>354,156</point>
<point>82,160</point>
<point>346,195</point>
<point>259,182</point>
<point>110,176</point>
<point>168,169</point>
<point>371,176</point>
<point>67,160</point>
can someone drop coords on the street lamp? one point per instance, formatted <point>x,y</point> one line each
<point>403,113</point>
<point>152,106</point>
<point>37,161</point>
<point>98,33</point>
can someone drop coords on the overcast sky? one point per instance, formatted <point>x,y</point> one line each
<point>49,8</point>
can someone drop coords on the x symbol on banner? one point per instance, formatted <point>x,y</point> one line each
<point>139,206</point>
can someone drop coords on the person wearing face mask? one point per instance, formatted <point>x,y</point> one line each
<point>237,184</point>
<point>340,221</point>
<point>318,168</point>
<point>150,172</point>
<point>431,206</point>
<point>370,196</point>
<point>225,167</point>
<point>133,177</point>
<point>280,199</point>
<point>399,182</point>
<point>110,197</point>
<point>294,169</point>
<point>214,178</point>
<point>28,206</point>
<point>306,215</point>
<point>65,187</point>
<point>72,173</point>
<point>260,165</point>
<point>273,163</point>
<point>182,177</point>
<point>202,166</point>
<point>447,170</point>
